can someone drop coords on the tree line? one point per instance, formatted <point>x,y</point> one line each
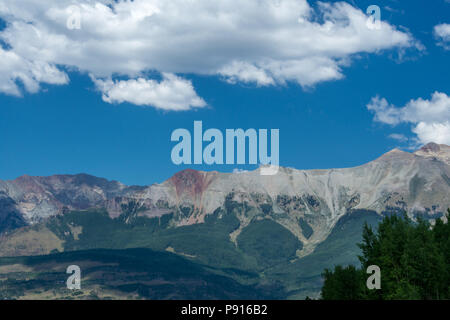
<point>413,257</point>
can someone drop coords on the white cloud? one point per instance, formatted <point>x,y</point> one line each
<point>14,68</point>
<point>433,132</point>
<point>442,33</point>
<point>384,112</point>
<point>431,118</point>
<point>265,42</point>
<point>245,72</point>
<point>399,137</point>
<point>172,93</point>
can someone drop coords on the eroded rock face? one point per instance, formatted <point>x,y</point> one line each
<point>438,151</point>
<point>416,182</point>
<point>10,217</point>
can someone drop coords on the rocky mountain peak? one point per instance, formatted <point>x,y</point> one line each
<point>191,182</point>
<point>28,184</point>
<point>395,154</point>
<point>431,147</point>
<point>437,151</point>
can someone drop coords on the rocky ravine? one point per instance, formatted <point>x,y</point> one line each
<point>418,183</point>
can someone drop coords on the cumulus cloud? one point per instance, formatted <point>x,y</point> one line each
<point>265,42</point>
<point>430,118</point>
<point>172,93</point>
<point>14,68</point>
<point>433,132</point>
<point>442,34</point>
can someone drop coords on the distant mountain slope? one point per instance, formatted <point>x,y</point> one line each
<point>263,255</point>
<point>306,202</point>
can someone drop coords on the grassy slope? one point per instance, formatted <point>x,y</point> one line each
<point>268,243</point>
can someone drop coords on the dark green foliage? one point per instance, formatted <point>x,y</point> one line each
<point>266,208</point>
<point>343,284</point>
<point>414,259</point>
<point>100,231</point>
<point>312,201</point>
<point>150,274</point>
<point>10,217</point>
<point>207,242</point>
<point>304,276</point>
<point>269,242</point>
<point>306,228</point>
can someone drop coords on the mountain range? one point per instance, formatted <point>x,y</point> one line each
<point>275,232</point>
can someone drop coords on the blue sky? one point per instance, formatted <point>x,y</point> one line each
<point>68,128</point>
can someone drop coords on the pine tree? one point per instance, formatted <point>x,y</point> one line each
<point>414,258</point>
<point>343,284</point>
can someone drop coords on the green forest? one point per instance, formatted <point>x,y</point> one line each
<point>413,257</point>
